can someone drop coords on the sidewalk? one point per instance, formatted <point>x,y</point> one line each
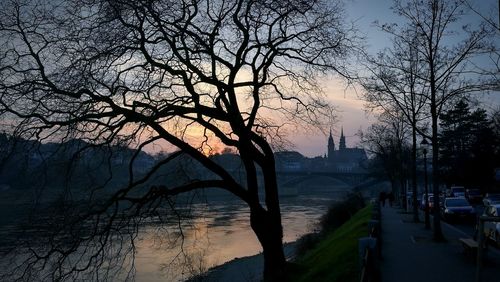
<point>409,254</point>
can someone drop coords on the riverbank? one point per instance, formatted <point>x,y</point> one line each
<point>334,258</point>
<point>242,269</point>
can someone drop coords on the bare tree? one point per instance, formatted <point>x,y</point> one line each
<point>448,48</point>
<point>395,85</point>
<point>491,70</point>
<point>387,141</point>
<point>136,72</point>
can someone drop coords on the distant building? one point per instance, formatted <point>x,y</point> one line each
<point>344,159</point>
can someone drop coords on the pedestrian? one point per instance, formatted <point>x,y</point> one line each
<point>382,197</point>
<point>391,198</point>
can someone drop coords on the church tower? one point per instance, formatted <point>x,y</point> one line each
<point>331,146</point>
<point>342,140</point>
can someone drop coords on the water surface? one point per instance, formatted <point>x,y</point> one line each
<point>220,234</point>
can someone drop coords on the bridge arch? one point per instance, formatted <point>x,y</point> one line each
<point>314,183</point>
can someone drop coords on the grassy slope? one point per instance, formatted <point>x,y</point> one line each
<point>335,258</point>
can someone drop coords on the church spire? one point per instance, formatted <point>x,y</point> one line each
<point>342,139</point>
<point>331,146</point>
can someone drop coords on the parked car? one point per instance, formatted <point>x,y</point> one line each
<point>409,199</point>
<point>473,196</point>
<point>457,208</point>
<point>456,191</point>
<point>431,202</point>
<point>491,199</point>
<point>492,228</point>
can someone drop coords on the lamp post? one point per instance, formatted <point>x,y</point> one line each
<point>424,144</point>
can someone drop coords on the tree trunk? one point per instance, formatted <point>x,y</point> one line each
<point>414,172</point>
<point>438,233</point>
<point>402,184</point>
<point>270,235</point>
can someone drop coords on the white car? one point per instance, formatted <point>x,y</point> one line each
<point>492,228</point>
<point>457,191</point>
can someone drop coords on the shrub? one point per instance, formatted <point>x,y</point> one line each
<point>306,243</point>
<point>341,212</point>
<point>338,214</point>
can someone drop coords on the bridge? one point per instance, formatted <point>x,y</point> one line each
<point>351,178</point>
<point>293,182</point>
<point>305,182</point>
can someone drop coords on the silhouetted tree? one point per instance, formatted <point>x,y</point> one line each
<point>468,141</point>
<point>132,73</point>
<point>491,18</point>
<point>448,53</point>
<point>386,141</point>
<point>395,85</point>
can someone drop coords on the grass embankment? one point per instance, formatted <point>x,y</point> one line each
<point>335,257</point>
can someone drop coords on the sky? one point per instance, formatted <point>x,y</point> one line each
<point>351,115</point>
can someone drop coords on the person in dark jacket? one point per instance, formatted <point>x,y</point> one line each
<point>391,198</point>
<point>382,198</point>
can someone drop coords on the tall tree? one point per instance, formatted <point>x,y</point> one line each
<point>135,72</point>
<point>448,53</point>
<point>467,146</point>
<point>395,85</point>
<point>491,17</point>
<point>386,140</point>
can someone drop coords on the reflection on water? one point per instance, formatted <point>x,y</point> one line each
<point>220,233</point>
<point>216,232</point>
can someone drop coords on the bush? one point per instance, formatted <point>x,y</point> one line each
<point>337,214</point>
<point>335,257</point>
<point>306,243</point>
<point>341,212</point>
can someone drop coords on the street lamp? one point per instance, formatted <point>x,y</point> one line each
<point>424,144</point>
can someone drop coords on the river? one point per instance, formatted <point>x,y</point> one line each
<point>220,234</point>
<point>218,231</point>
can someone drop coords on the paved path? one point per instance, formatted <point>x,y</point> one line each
<point>409,254</point>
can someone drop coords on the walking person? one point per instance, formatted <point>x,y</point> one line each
<point>391,199</point>
<point>382,197</point>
